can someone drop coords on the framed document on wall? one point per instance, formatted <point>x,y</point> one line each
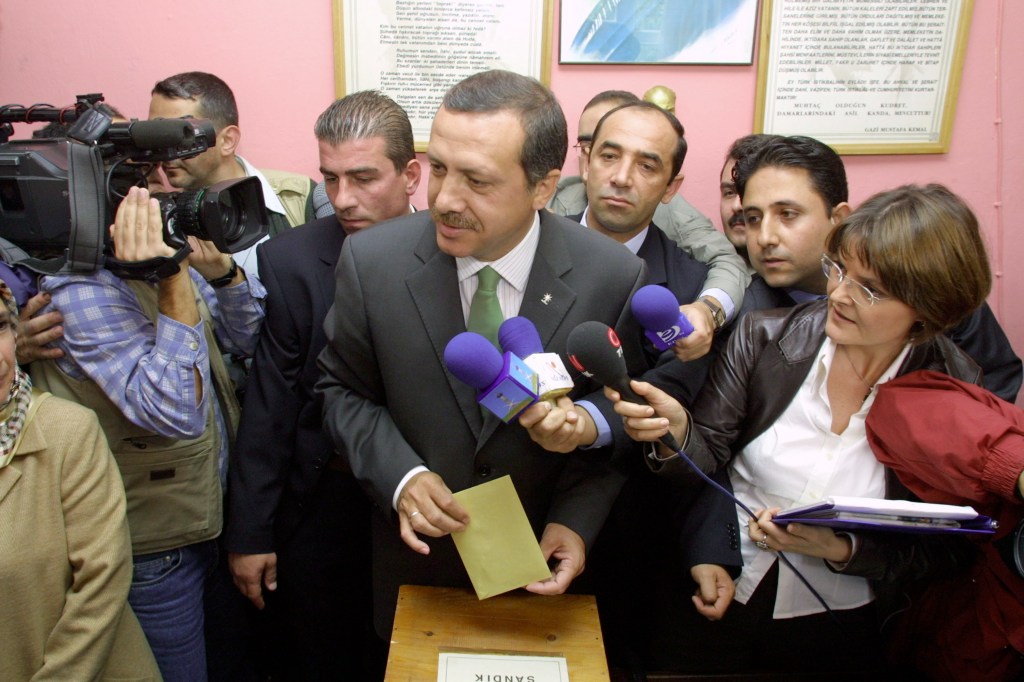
<point>414,50</point>
<point>865,77</point>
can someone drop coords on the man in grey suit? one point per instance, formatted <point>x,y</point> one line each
<point>413,433</point>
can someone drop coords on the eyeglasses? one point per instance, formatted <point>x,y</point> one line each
<point>860,294</point>
<point>583,143</point>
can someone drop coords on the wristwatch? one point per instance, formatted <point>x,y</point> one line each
<point>224,280</point>
<point>717,313</point>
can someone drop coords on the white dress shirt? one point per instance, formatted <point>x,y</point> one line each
<point>796,461</point>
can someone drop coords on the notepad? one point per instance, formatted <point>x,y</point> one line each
<point>865,513</point>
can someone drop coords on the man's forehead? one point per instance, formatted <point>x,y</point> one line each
<point>364,151</point>
<point>643,131</point>
<point>590,116</point>
<point>727,178</point>
<point>174,107</point>
<point>782,186</point>
<point>476,141</point>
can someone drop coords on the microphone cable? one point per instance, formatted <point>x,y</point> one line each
<point>782,555</point>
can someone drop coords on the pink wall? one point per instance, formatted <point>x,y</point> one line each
<point>280,66</point>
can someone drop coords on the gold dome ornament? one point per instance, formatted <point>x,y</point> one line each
<point>663,96</point>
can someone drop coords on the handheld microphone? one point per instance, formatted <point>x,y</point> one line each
<point>657,311</point>
<point>505,384</point>
<point>594,349</point>
<point>519,336</point>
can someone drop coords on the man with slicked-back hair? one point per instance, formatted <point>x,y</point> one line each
<point>298,531</point>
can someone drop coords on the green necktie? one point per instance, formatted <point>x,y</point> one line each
<point>484,312</point>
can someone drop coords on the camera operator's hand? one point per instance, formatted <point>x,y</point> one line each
<point>138,235</point>
<point>209,262</point>
<point>137,231</point>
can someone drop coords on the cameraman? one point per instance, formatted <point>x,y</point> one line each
<point>288,196</point>
<point>145,357</point>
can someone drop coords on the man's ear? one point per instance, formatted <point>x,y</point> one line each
<point>545,189</point>
<point>228,140</point>
<point>412,173</point>
<point>672,188</point>
<point>840,212</point>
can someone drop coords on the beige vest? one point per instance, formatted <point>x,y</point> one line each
<point>293,190</point>
<point>172,486</point>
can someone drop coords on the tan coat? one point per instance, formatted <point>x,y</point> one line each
<point>65,556</point>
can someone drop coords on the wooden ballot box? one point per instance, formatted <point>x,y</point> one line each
<point>431,620</point>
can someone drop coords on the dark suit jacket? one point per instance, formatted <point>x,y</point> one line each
<point>684,276</point>
<point>671,267</point>
<point>391,405</point>
<point>281,448</point>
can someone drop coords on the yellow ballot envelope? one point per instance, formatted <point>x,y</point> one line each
<point>498,547</point>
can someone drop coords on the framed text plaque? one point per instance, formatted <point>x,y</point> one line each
<point>414,50</point>
<point>864,76</point>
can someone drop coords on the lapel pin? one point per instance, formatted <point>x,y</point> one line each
<point>545,299</point>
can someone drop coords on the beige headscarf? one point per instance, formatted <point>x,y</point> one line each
<point>15,405</point>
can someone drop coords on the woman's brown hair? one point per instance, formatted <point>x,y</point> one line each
<point>924,244</point>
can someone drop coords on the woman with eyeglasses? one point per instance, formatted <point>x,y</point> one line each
<point>782,418</point>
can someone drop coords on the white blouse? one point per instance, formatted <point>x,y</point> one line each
<point>798,460</point>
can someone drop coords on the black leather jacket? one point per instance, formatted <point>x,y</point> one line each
<point>751,384</point>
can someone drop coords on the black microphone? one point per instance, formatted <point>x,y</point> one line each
<point>594,349</point>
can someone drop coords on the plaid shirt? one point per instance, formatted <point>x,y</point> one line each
<point>148,370</point>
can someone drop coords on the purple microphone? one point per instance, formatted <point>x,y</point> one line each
<point>657,311</point>
<point>505,384</point>
<point>519,336</point>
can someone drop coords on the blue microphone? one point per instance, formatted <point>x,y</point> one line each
<point>657,311</point>
<point>519,336</point>
<point>505,384</point>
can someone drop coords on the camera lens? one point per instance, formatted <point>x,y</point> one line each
<point>232,217</point>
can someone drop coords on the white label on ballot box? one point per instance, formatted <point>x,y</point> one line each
<point>468,667</point>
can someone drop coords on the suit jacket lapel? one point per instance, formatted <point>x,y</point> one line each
<point>334,238</point>
<point>547,298</point>
<point>652,252</point>
<point>33,441</point>
<point>435,291</point>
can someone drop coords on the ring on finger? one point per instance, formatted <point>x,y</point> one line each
<point>414,514</point>
<point>762,544</point>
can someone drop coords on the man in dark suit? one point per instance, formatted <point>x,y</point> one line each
<point>298,523</point>
<point>412,432</point>
<point>634,166</point>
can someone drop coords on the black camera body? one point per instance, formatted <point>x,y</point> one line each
<point>58,196</point>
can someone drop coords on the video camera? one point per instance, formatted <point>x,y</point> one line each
<point>57,196</point>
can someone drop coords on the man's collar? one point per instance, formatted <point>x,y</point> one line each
<point>514,267</point>
<point>270,199</point>
<point>633,244</point>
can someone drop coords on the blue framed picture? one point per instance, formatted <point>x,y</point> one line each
<point>657,31</point>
